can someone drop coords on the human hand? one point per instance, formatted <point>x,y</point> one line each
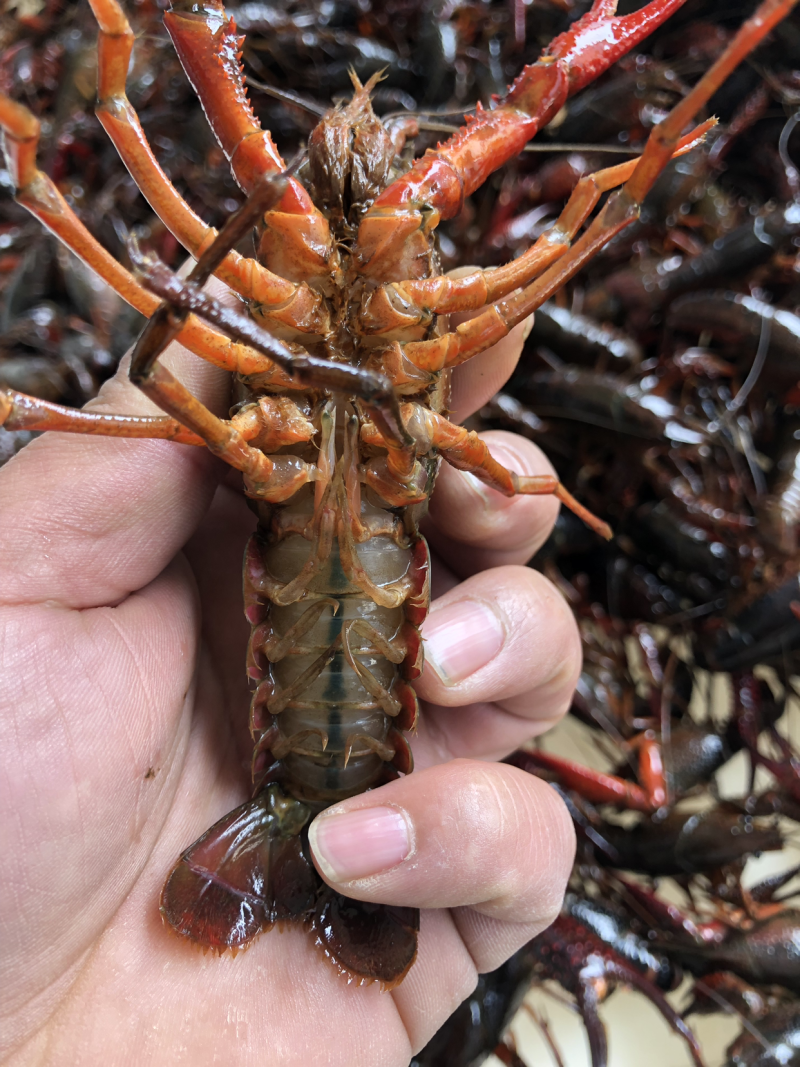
<point>124,736</point>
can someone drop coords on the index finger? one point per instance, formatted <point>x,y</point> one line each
<point>477,380</point>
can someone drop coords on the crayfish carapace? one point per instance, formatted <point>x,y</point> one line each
<point>339,422</point>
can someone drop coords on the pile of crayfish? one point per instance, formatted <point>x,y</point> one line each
<point>663,385</point>
<point>663,382</point>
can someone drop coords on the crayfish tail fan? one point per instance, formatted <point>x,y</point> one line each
<point>253,869</point>
<point>373,942</point>
<point>247,872</point>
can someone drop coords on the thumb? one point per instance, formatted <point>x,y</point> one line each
<point>464,834</point>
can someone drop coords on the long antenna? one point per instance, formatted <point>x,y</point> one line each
<point>288,97</point>
<point>616,149</point>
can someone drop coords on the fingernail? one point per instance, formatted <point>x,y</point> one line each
<point>356,844</point>
<point>460,638</point>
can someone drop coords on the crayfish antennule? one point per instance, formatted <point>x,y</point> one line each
<point>372,81</point>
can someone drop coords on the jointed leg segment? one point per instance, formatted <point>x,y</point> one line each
<point>398,305</point>
<point>464,450</point>
<point>272,423</point>
<point>38,193</point>
<point>21,412</point>
<point>291,303</point>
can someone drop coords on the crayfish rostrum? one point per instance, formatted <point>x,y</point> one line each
<point>339,419</point>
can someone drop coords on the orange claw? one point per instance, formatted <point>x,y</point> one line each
<point>296,242</point>
<point>392,233</point>
<point>300,307</point>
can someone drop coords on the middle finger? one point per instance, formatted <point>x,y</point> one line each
<point>503,657</point>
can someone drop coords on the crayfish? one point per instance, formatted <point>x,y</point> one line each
<point>341,356</point>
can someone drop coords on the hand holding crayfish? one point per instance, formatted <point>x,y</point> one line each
<point>124,738</point>
<point>121,626</point>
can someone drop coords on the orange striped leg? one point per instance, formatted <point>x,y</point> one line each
<point>296,241</point>
<point>290,303</point>
<point>400,305</point>
<point>464,450</point>
<point>21,412</point>
<point>266,478</point>
<point>270,424</point>
<point>38,194</point>
<point>620,211</point>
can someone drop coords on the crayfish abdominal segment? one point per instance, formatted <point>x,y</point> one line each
<point>340,367</point>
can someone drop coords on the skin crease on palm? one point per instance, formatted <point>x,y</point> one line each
<point>123,716</point>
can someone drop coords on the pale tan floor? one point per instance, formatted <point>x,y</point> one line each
<point>637,1035</point>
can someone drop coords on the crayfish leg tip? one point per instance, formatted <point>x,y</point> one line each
<point>387,987</point>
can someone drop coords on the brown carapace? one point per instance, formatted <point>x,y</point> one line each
<point>340,361</point>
